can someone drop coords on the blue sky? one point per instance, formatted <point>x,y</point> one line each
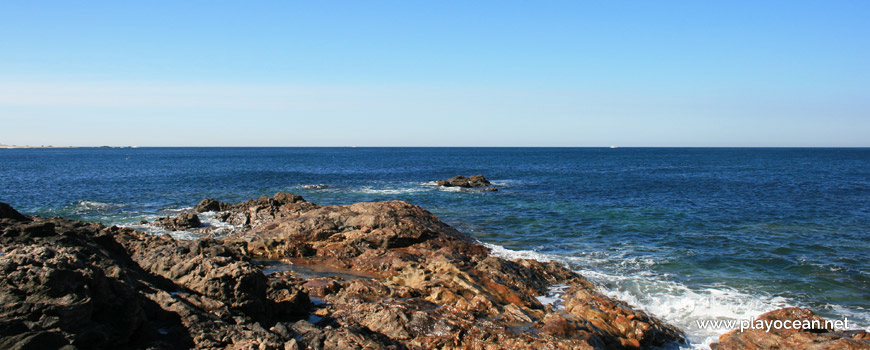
<point>435,73</point>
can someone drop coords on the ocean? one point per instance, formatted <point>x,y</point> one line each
<point>686,234</point>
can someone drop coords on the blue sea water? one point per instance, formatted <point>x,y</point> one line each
<point>686,234</point>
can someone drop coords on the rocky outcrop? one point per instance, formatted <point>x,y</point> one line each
<point>209,204</point>
<point>791,338</point>
<point>7,212</point>
<point>181,222</point>
<point>467,182</point>
<point>386,275</point>
<point>68,284</point>
<point>435,287</point>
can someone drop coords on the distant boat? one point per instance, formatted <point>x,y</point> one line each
<point>613,147</point>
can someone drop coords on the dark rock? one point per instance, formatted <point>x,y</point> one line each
<point>467,182</point>
<point>209,204</point>
<point>68,284</point>
<point>462,181</point>
<point>284,197</point>
<point>321,287</point>
<point>7,212</point>
<point>785,338</point>
<point>181,222</point>
<point>219,270</point>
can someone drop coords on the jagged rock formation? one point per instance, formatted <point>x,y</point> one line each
<point>386,275</point>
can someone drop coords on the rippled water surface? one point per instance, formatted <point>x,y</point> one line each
<point>686,234</point>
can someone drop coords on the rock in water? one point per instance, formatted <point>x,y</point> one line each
<point>181,222</point>
<point>467,182</point>
<point>209,204</point>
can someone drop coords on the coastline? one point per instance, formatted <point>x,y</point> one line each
<point>421,283</point>
<point>386,274</point>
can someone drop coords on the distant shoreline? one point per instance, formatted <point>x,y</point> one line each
<point>49,146</point>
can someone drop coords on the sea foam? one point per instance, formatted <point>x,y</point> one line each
<point>656,294</point>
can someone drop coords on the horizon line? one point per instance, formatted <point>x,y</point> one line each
<point>255,146</point>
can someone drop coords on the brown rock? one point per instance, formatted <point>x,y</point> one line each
<point>405,280</point>
<point>782,338</point>
<point>81,284</point>
<point>181,222</point>
<point>321,287</point>
<point>434,267</point>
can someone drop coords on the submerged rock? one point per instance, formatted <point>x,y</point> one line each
<point>817,336</point>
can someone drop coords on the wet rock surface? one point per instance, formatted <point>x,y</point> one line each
<point>181,222</point>
<point>790,338</point>
<point>383,275</point>
<point>467,182</point>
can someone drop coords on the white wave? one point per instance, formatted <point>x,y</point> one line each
<point>655,294</point>
<point>214,228</point>
<point>389,191</point>
<point>94,206</point>
<point>858,317</point>
<point>507,182</point>
<point>683,306</point>
<point>314,186</point>
<point>554,296</point>
<point>502,252</point>
<point>178,210</point>
<point>159,231</point>
<point>450,189</point>
<point>220,229</point>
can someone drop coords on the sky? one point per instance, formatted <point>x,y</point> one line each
<point>435,73</point>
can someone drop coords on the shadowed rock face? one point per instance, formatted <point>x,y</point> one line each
<point>783,338</point>
<point>409,281</point>
<point>82,285</point>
